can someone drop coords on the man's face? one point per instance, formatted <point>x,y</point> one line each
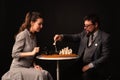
<point>89,26</point>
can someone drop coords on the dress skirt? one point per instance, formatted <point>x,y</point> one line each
<point>26,74</point>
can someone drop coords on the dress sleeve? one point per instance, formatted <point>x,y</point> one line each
<point>18,45</point>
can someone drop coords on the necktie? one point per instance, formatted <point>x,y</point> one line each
<point>90,40</point>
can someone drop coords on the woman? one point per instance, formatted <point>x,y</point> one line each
<point>24,50</point>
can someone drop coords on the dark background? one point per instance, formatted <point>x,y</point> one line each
<point>60,16</point>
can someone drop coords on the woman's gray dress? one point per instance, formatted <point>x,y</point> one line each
<point>21,68</point>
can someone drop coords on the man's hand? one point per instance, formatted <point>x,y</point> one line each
<point>85,68</point>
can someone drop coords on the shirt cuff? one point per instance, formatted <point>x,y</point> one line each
<point>91,65</point>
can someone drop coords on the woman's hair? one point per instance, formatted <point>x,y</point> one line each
<point>30,16</point>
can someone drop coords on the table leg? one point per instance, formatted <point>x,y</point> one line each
<point>57,70</point>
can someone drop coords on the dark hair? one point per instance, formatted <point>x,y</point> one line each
<point>93,18</point>
<point>30,16</point>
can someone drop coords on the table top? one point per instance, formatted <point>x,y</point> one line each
<point>48,57</point>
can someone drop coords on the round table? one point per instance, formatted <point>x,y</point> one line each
<point>57,59</point>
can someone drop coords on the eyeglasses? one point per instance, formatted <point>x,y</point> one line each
<point>88,25</point>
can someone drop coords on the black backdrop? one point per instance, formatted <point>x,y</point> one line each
<point>60,16</point>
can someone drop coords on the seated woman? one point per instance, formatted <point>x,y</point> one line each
<point>24,50</point>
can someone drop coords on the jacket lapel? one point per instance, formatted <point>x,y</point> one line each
<point>96,42</point>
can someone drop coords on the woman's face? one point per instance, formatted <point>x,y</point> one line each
<point>37,25</point>
<point>89,26</point>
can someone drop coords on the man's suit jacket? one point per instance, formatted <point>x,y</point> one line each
<point>100,48</point>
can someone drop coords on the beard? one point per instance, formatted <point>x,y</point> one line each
<point>88,33</point>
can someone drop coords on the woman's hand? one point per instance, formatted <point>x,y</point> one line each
<point>37,67</point>
<point>36,50</point>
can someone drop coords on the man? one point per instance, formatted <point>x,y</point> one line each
<point>94,48</point>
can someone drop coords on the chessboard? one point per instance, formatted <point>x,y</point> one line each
<point>58,55</point>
